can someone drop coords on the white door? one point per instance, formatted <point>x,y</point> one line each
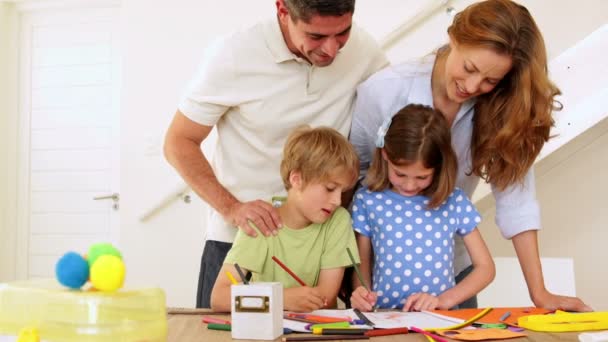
<point>69,106</point>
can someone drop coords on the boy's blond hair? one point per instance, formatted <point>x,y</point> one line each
<point>317,153</point>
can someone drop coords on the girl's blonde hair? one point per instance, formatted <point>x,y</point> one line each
<point>318,153</point>
<point>417,133</point>
<point>513,121</point>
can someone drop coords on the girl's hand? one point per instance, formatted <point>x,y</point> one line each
<point>421,301</point>
<point>550,301</point>
<point>362,299</point>
<point>303,299</point>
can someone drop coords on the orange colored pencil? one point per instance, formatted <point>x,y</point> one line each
<point>275,259</point>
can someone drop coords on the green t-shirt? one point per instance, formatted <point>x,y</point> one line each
<point>305,251</point>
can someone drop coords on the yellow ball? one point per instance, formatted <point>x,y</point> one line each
<point>28,335</point>
<point>108,273</point>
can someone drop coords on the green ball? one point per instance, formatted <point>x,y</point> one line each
<point>99,249</point>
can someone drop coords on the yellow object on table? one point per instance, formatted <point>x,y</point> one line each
<point>565,321</point>
<point>44,310</point>
<point>28,335</point>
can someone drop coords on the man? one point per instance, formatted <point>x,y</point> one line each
<point>255,86</point>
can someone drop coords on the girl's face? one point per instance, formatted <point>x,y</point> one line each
<point>409,180</point>
<point>473,71</point>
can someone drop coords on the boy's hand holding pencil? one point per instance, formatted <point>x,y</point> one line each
<point>300,299</point>
<point>303,299</point>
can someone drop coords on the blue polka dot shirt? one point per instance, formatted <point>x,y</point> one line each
<point>413,245</point>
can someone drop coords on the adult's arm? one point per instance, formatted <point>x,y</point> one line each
<point>182,150</point>
<point>518,216</point>
<point>526,247</point>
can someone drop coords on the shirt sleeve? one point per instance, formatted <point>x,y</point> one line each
<point>360,214</point>
<point>339,236</point>
<point>467,214</point>
<point>210,93</point>
<point>367,117</point>
<point>517,209</point>
<point>249,252</point>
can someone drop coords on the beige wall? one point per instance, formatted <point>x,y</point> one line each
<point>572,188</point>
<point>8,106</point>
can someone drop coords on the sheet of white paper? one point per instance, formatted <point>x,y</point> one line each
<point>400,319</point>
<point>385,319</point>
<point>295,325</point>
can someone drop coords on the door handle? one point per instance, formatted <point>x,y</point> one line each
<point>114,197</point>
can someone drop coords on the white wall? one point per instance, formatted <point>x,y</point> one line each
<point>162,46</point>
<point>8,139</point>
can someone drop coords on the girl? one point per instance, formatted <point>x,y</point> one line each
<point>491,84</point>
<point>407,215</point>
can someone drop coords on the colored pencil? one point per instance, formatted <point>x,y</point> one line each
<point>241,274</point>
<point>315,318</point>
<point>275,259</point>
<point>216,326</point>
<point>363,317</point>
<point>386,332</point>
<point>338,331</point>
<point>207,319</point>
<point>352,259</point>
<point>231,277</point>
<point>326,338</point>
<point>423,332</point>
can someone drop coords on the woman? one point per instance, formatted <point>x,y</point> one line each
<point>491,84</point>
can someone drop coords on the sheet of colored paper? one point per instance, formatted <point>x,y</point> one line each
<point>479,334</point>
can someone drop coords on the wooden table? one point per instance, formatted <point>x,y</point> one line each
<point>186,325</point>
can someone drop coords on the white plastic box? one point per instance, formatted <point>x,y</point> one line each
<point>257,311</point>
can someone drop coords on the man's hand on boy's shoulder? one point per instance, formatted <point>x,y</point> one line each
<point>261,213</point>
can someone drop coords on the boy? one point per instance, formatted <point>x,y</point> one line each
<point>318,165</point>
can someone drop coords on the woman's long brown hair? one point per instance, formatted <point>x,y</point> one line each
<point>512,122</point>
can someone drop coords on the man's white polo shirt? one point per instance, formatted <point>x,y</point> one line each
<point>255,91</point>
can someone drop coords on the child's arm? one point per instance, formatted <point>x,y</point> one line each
<point>482,275</point>
<point>362,299</point>
<point>220,295</point>
<point>306,299</point>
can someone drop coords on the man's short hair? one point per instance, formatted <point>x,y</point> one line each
<point>305,9</point>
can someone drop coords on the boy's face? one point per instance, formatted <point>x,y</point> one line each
<point>318,199</point>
